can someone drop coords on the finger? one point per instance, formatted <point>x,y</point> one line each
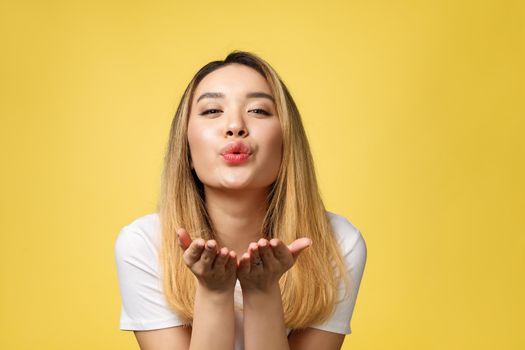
<point>209,254</point>
<point>244,265</point>
<point>266,254</point>
<point>221,259</point>
<point>184,238</point>
<point>281,252</point>
<point>255,259</point>
<point>231,264</point>
<point>297,246</point>
<point>194,251</point>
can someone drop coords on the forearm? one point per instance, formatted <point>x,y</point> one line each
<point>264,326</point>
<point>213,321</point>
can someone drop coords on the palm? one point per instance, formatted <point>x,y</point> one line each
<point>266,261</point>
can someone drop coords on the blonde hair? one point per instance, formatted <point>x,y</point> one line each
<point>294,209</point>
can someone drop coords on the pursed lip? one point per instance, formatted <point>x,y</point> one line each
<point>236,147</point>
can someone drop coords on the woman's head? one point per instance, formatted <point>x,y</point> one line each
<point>234,105</point>
<point>196,140</point>
<point>282,162</point>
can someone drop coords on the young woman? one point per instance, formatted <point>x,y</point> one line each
<point>241,253</point>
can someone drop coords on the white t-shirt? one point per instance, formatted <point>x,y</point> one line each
<point>144,306</point>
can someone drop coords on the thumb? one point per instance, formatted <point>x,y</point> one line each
<point>184,238</point>
<point>297,246</point>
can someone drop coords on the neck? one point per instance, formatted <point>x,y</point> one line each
<point>237,216</point>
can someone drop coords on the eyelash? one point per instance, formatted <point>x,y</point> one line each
<point>256,109</point>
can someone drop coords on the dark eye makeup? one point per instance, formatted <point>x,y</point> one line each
<point>214,111</point>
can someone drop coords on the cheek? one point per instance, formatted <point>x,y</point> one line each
<point>274,141</point>
<point>200,141</point>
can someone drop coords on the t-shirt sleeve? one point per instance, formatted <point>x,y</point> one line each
<point>354,251</point>
<point>144,306</point>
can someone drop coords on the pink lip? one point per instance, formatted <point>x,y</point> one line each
<point>238,146</point>
<point>232,158</point>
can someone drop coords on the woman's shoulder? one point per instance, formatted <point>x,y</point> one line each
<point>346,232</point>
<point>144,222</point>
<point>140,237</point>
<point>144,306</point>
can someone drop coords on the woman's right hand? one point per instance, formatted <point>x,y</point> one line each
<point>215,269</point>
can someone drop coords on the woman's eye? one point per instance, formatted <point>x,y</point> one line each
<point>208,111</point>
<point>256,111</point>
<point>261,110</point>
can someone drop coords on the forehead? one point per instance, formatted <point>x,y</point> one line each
<point>232,80</point>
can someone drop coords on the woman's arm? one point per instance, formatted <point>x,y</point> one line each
<point>314,339</point>
<point>213,320</point>
<point>264,326</point>
<point>263,320</point>
<point>213,323</point>
<point>213,317</point>
<point>259,272</point>
<point>172,338</point>
<point>213,327</point>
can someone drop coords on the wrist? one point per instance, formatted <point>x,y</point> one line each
<point>269,290</point>
<point>215,294</point>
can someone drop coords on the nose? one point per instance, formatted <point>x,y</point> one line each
<point>235,125</point>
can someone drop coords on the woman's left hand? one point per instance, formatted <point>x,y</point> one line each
<point>266,261</point>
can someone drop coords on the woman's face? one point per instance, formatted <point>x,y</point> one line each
<point>233,105</point>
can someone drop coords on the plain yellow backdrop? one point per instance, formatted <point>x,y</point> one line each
<point>414,111</point>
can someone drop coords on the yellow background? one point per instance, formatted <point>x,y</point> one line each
<point>414,110</point>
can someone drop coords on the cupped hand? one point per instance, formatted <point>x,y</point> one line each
<point>214,268</point>
<point>265,262</point>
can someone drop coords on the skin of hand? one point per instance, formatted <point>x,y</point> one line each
<point>276,259</point>
<point>217,269</point>
<point>214,268</point>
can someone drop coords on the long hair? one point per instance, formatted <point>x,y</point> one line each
<point>294,209</point>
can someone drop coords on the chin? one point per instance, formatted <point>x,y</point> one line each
<point>237,186</point>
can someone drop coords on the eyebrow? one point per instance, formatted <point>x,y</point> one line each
<point>248,95</point>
